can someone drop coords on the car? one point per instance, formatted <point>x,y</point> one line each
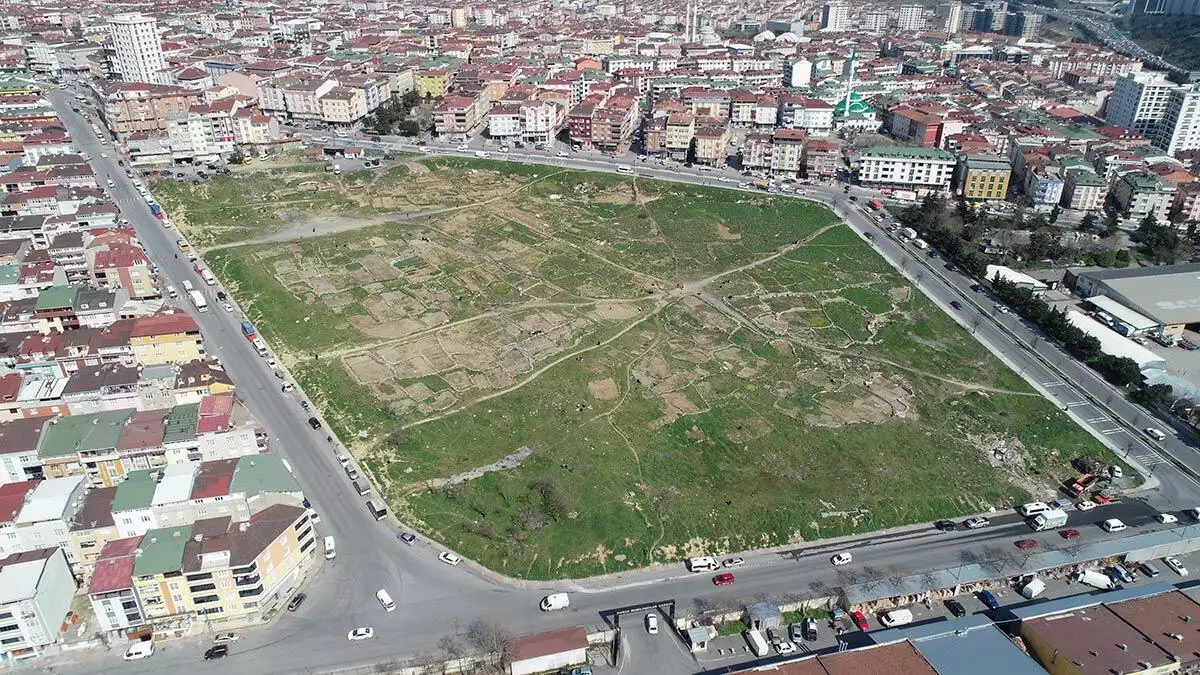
<point>104,155</point>
<point>725,579</point>
<point>1166,518</point>
<point>579,670</point>
<point>989,599</point>
<point>1116,471</point>
<point>1027,544</point>
<point>976,287</point>
<point>1001,308</point>
<point>1154,433</point>
<point>304,405</point>
<point>449,558</point>
<point>226,306</point>
<point>218,652</point>
<point>976,523</point>
<point>1112,525</point>
<point>224,638</point>
<point>784,648</point>
<point>1147,568</point>
<point>287,387</point>
<point>809,628</point>
<point>314,423</point>
<point>1086,505</point>
<point>956,304</point>
<point>221,295</point>
<point>561,153</point>
<point>297,600</point>
<point>652,624</point>
<point>343,460</point>
<point>842,558</point>
<point>956,608</point>
<point>1176,566</point>
<point>1119,574</point>
<point>139,650</point>
<point>860,620</point>
<point>945,526</point>
<point>734,562</point>
<point>315,517</point>
<point>407,537</point>
<point>1069,533</point>
<point>364,633</point>
<point>271,363</point>
<point>1101,500</point>
<point>795,632</point>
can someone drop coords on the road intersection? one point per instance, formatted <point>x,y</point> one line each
<point>435,600</point>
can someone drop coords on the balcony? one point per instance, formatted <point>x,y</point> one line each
<point>248,580</point>
<point>251,592</point>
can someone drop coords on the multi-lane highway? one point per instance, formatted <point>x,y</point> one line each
<point>436,600</point>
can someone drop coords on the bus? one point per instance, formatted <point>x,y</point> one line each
<point>198,300</point>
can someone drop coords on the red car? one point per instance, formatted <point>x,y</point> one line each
<point>1103,499</point>
<point>1069,534</point>
<point>860,621</point>
<point>723,579</point>
<point>1027,544</point>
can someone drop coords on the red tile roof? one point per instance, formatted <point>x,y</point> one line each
<point>114,567</point>
<point>212,479</point>
<point>164,324</point>
<point>552,642</point>
<point>12,498</point>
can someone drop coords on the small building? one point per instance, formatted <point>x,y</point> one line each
<point>699,637</point>
<point>762,615</point>
<point>1019,279</point>
<point>547,651</point>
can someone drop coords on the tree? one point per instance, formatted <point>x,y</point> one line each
<point>1089,222</point>
<point>1112,225</point>
<point>1119,370</point>
<point>495,641</point>
<point>1044,244</point>
<point>1054,213</point>
<point>1155,396</point>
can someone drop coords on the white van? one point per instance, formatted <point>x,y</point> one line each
<point>1095,579</point>
<point>554,601</point>
<point>896,617</point>
<point>1112,525</point>
<point>171,292</point>
<point>702,563</point>
<point>758,644</point>
<point>187,285</point>
<point>1033,588</point>
<point>139,650</point>
<point>377,510</point>
<point>330,549</point>
<point>624,169</point>
<point>1033,508</point>
<point>385,600</point>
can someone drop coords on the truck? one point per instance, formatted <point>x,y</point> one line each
<point>248,330</point>
<point>208,277</point>
<point>758,644</point>
<point>198,300</point>
<point>259,346</point>
<point>909,233</point>
<point>904,195</point>
<point>156,210</point>
<point>1095,579</point>
<point>1048,520</point>
<point>875,204</point>
<point>1082,482</point>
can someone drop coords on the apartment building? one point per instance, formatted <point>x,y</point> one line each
<point>910,167</point>
<point>1179,129</point>
<point>458,115</point>
<point>712,143</point>
<point>36,590</point>
<point>132,108</point>
<point>136,48</point>
<point>343,106</point>
<point>43,518</point>
<point>681,128</point>
<point>166,338</point>
<point>614,122</point>
<point>1139,100</point>
<point>822,159</point>
<point>802,112</point>
<point>1084,191</point>
<point>787,152</point>
<point>983,177</point>
<point>111,592</point>
<point>756,151</point>
<point>1139,193</point>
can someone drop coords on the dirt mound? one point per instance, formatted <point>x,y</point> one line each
<point>881,399</point>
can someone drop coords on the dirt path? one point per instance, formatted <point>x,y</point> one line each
<point>321,226</point>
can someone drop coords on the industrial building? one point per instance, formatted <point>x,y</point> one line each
<point>1168,295</point>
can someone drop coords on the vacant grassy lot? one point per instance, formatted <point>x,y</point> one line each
<point>693,370</point>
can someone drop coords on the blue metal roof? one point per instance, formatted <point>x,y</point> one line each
<point>971,645</point>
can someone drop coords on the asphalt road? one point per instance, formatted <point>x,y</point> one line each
<point>436,600</point>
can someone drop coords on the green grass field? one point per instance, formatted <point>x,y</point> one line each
<point>694,370</point>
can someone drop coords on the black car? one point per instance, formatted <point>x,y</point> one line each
<point>220,295</point>
<point>297,600</point>
<point>307,504</point>
<point>956,608</point>
<point>945,525</point>
<point>314,423</point>
<point>407,537</point>
<point>217,652</point>
<point>976,287</point>
<point>956,304</point>
<point>868,235</point>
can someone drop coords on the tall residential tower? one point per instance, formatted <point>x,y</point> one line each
<point>137,49</point>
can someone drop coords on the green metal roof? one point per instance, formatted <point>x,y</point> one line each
<point>1142,180</point>
<point>9,273</point>
<point>181,423</point>
<point>256,474</point>
<point>135,492</point>
<point>1087,178</point>
<point>56,297</point>
<point>162,551</point>
<point>908,152</point>
<point>80,433</point>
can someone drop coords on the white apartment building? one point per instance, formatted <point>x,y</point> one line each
<point>876,22</point>
<point>954,17</point>
<point>911,17</point>
<point>137,49</point>
<point>835,16</point>
<point>1179,129</point>
<point>36,589</point>
<point>913,167</point>
<point>504,122</point>
<point>1139,101</point>
<point>541,121</point>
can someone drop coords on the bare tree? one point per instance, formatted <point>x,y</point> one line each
<point>872,576</point>
<point>494,640</point>
<point>897,573</point>
<point>819,587</point>
<point>929,579</point>
<point>999,559</point>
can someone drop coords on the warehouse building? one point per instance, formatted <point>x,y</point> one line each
<point>1168,295</point>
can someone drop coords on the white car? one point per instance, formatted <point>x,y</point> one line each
<point>1086,505</point>
<point>1166,518</point>
<point>449,558</point>
<point>1154,433</point>
<point>364,633</point>
<point>226,306</point>
<point>343,460</point>
<point>736,561</point>
<point>104,155</point>
<point>224,638</point>
<point>976,523</point>
<point>138,651</point>
<point>1112,525</point>
<point>563,154</point>
<point>1176,566</point>
<point>784,648</point>
<point>841,559</point>
<point>288,387</point>
<point>271,363</point>
<point>652,624</point>
<point>1001,308</point>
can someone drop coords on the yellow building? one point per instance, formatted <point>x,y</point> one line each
<point>343,105</point>
<point>166,338</point>
<point>434,83</point>
<point>984,177</point>
<point>158,574</point>
<point>681,128</point>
